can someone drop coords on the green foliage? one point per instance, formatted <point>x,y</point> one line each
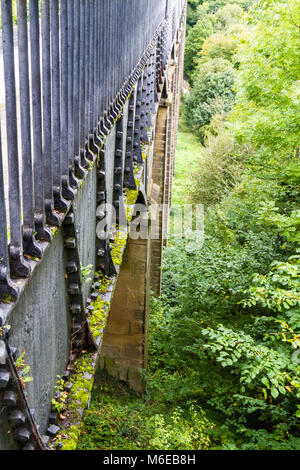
<point>218,45</point>
<point>118,419</point>
<point>60,400</point>
<point>279,290</point>
<point>227,325</point>
<point>212,94</point>
<point>229,15</point>
<point>195,8</point>
<point>23,369</point>
<point>190,350</point>
<point>85,273</point>
<point>218,171</point>
<point>194,43</point>
<point>267,109</point>
<point>211,47</point>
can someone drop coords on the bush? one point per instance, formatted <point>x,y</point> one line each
<point>219,170</point>
<point>211,94</point>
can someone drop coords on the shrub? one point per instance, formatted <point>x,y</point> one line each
<point>218,171</point>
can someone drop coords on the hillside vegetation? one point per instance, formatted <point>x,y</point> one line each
<point>224,370</point>
<point>232,309</point>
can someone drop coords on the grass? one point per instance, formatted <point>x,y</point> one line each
<point>188,153</point>
<point>120,420</point>
<point>114,419</point>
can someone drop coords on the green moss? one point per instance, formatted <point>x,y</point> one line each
<point>103,280</point>
<point>79,397</point>
<point>97,319</point>
<point>118,248</point>
<point>54,231</point>
<point>73,436</point>
<point>6,299</point>
<point>132,195</point>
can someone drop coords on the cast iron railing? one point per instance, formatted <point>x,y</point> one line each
<point>77,61</point>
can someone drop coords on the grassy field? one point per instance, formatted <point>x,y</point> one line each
<point>188,153</point>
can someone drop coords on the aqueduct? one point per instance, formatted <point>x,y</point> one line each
<point>89,123</point>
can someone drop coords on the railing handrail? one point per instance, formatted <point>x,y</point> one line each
<point>77,62</point>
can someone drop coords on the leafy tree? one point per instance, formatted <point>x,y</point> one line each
<point>194,43</point>
<point>218,45</point>
<point>227,16</point>
<point>268,99</point>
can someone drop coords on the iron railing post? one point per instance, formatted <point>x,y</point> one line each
<point>79,169</point>
<point>59,202</point>
<point>7,288</point>
<point>52,217</point>
<point>74,183</point>
<point>30,245</point>
<point>67,191</point>
<point>42,232</point>
<point>18,265</point>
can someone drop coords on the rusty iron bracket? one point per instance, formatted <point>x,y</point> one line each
<point>137,150</point>
<point>81,335</point>
<point>7,286</point>
<point>103,251</point>
<point>129,180</point>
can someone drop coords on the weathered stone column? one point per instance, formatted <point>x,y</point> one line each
<point>124,349</point>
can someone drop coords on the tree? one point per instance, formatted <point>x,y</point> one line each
<point>194,43</point>
<point>211,94</point>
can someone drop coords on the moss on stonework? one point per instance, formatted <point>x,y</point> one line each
<point>6,299</point>
<point>79,397</point>
<point>97,319</point>
<point>103,280</point>
<point>118,248</point>
<point>73,436</point>
<point>131,196</point>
